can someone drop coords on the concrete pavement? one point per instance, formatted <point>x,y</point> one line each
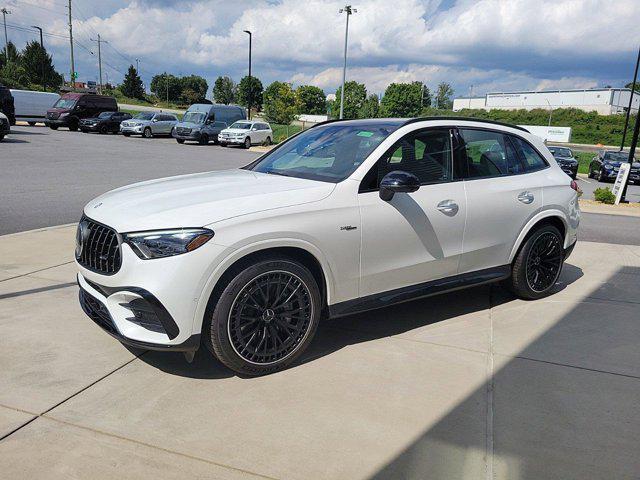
<point>465,385</point>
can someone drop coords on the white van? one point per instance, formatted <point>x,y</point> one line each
<point>32,106</point>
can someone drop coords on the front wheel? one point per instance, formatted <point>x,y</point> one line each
<point>180,140</point>
<point>147,133</point>
<point>104,130</point>
<point>265,317</point>
<point>204,139</point>
<point>537,266</point>
<point>126,134</point>
<point>247,143</point>
<point>32,124</point>
<point>53,127</point>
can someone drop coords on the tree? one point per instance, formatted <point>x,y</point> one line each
<point>354,96</point>
<point>14,55</point>
<point>630,84</point>
<point>224,90</point>
<point>250,88</point>
<point>166,85</point>
<point>132,84</point>
<point>402,100</point>
<point>12,75</point>
<point>280,103</point>
<point>443,96</point>
<point>194,89</point>
<point>311,100</point>
<point>38,66</point>
<point>370,108</point>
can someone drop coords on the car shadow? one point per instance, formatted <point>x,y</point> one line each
<point>335,334</point>
<point>9,139</point>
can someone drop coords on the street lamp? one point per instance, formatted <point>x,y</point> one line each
<point>5,12</point>
<point>250,99</point>
<point>349,11</point>
<point>43,54</point>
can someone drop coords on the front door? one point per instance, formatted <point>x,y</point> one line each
<point>415,237</point>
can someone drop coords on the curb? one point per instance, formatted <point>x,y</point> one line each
<point>36,230</point>
<point>591,206</point>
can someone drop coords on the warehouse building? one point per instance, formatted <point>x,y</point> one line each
<point>605,101</point>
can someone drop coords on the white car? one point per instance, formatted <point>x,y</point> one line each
<point>5,127</point>
<point>246,133</point>
<point>344,217</point>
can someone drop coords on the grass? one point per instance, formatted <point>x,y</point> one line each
<point>282,132</point>
<point>584,159</point>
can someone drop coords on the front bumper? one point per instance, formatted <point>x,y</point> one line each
<point>89,127</point>
<point>229,139</point>
<point>59,122</point>
<point>186,136</point>
<point>152,303</point>
<point>571,170</point>
<point>137,130</point>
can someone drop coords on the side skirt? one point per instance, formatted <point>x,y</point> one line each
<point>422,290</point>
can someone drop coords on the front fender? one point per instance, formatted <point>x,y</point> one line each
<point>234,253</point>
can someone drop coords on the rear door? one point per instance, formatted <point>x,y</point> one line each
<point>502,195</point>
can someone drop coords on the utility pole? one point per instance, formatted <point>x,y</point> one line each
<point>73,66</point>
<point>99,40</point>
<point>138,66</point>
<point>349,11</point>
<point>5,12</point>
<point>43,55</point>
<point>633,90</point>
<point>632,151</point>
<point>250,99</point>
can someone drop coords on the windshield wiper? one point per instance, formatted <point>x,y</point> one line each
<point>273,172</point>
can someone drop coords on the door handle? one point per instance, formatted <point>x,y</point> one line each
<point>526,197</point>
<point>448,207</point>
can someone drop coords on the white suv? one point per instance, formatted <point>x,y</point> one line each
<point>344,217</point>
<point>246,133</point>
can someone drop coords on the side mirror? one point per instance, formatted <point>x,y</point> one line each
<point>398,182</point>
<point>154,120</point>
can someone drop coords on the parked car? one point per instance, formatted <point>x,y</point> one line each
<point>605,166</point>
<point>149,124</point>
<point>106,122</point>
<point>203,122</point>
<point>7,104</point>
<point>564,158</point>
<point>247,133</point>
<point>31,106</point>
<point>344,217</point>
<point>5,127</point>
<point>73,107</point>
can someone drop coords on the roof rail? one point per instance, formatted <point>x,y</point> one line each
<point>468,119</point>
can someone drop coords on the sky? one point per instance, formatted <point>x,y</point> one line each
<point>477,46</point>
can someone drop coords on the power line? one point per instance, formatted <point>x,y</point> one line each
<point>58,12</point>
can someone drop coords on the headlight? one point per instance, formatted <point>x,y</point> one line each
<point>166,243</point>
<point>63,115</point>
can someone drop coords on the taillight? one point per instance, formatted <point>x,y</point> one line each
<point>574,185</point>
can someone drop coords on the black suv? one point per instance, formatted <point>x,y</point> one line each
<point>106,122</point>
<point>6,104</point>
<point>565,159</point>
<point>605,165</point>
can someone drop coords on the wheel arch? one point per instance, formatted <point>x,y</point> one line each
<point>547,217</point>
<point>301,251</point>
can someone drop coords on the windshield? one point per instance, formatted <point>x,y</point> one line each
<point>561,152</point>
<point>105,115</point>
<point>241,125</point>
<point>144,116</point>
<point>67,103</point>
<point>194,117</point>
<point>616,156</point>
<point>329,153</point>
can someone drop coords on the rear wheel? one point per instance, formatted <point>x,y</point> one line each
<point>147,133</point>
<point>267,142</point>
<point>537,266</point>
<point>265,317</point>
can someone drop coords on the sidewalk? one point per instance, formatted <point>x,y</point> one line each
<point>459,386</point>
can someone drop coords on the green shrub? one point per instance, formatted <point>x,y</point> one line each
<point>604,195</point>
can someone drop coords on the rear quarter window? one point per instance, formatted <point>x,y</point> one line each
<point>533,161</point>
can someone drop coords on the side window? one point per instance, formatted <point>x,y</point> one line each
<point>489,154</point>
<point>532,159</point>
<point>426,154</point>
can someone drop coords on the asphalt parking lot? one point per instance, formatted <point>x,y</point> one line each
<point>48,176</point>
<point>588,185</point>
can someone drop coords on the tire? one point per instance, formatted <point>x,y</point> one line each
<point>223,144</point>
<point>541,252</point>
<point>146,133</point>
<point>247,143</point>
<point>1,138</point>
<point>267,142</point>
<point>227,316</point>
<point>53,127</point>
<point>126,134</point>
<point>590,173</point>
<point>204,139</point>
<point>104,130</point>
<point>73,125</point>
<point>180,140</point>
<point>32,124</point>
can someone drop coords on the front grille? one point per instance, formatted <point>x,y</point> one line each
<point>97,247</point>
<point>52,115</point>
<point>183,131</point>
<point>96,311</point>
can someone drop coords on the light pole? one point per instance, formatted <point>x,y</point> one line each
<point>349,11</point>
<point>5,12</point>
<point>633,90</point>
<point>250,99</point>
<point>43,54</point>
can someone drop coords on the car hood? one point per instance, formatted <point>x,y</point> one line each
<point>59,110</point>
<point>132,121</point>
<point>565,159</point>
<point>191,125</point>
<point>200,199</point>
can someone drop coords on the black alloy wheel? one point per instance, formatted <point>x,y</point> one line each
<point>270,317</point>
<point>544,262</point>
<point>104,130</point>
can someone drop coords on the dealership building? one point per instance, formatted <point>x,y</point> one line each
<point>605,101</point>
